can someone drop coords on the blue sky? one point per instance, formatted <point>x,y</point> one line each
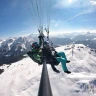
<point>66,16</point>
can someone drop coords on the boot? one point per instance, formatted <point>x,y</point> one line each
<point>57,71</point>
<point>67,61</point>
<point>67,72</point>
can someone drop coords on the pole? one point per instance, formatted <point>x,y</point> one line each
<point>44,87</point>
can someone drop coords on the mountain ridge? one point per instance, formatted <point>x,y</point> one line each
<point>13,48</point>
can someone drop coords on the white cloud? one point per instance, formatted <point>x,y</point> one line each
<point>55,23</point>
<point>72,3</point>
<point>93,2</point>
<point>64,31</point>
<point>89,5</point>
<point>86,30</point>
<point>64,3</point>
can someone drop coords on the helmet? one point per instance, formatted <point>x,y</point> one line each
<point>46,43</point>
<point>35,45</point>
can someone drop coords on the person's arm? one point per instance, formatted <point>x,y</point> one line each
<point>41,38</point>
<point>40,41</point>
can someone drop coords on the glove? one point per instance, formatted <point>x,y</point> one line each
<point>39,63</point>
<point>53,53</point>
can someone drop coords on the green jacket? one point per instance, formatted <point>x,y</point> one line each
<point>37,54</point>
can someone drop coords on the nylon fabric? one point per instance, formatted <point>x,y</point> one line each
<point>63,60</point>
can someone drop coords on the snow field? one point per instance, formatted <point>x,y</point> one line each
<point>22,78</point>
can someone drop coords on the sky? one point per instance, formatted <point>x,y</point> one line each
<point>19,17</point>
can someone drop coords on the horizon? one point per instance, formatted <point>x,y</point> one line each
<point>50,34</point>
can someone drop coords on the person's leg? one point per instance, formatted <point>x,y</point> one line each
<point>54,68</point>
<point>63,63</point>
<point>62,54</point>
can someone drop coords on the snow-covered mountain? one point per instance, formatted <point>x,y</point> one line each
<point>22,78</point>
<point>86,38</point>
<point>12,49</point>
<point>1,41</point>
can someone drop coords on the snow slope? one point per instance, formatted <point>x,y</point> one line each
<point>23,77</point>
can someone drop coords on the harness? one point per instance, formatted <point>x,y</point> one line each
<point>30,54</point>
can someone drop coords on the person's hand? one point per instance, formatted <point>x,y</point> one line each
<point>39,63</point>
<point>53,53</point>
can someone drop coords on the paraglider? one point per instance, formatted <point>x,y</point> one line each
<point>36,56</point>
<point>41,12</point>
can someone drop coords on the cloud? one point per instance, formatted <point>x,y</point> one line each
<point>91,30</point>
<point>93,2</point>
<point>72,4</point>
<point>89,5</point>
<point>56,24</point>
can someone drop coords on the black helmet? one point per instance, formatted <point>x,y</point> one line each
<point>35,45</point>
<point>46,43</point>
